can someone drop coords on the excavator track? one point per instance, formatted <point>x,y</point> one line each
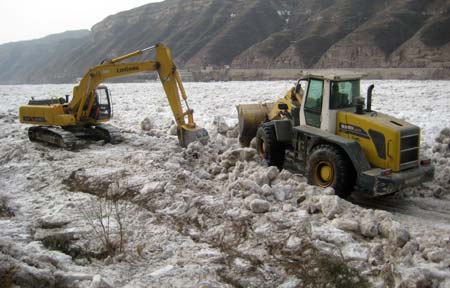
<point>109,133</point>
<point>53,136</point>
<point>67,138</point>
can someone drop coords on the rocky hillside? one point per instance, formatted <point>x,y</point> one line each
<point>248,34</point>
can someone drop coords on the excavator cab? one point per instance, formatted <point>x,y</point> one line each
<point>102,110</point>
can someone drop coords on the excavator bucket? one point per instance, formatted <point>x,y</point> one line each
<point>189,135</point>
<point>250,118</point>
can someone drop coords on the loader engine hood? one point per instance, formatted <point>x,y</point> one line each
<point>388,142</point>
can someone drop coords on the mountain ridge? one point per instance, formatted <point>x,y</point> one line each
<point>247,34</point>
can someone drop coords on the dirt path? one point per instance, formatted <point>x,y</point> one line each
<point>420,214</point>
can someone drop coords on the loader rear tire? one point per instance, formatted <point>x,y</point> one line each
<point>328,166</point>
<point>268,147</point>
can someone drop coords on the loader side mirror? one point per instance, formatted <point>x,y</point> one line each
<point>283,106</point>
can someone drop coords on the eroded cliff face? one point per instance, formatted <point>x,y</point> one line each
<point>249,34</point>
<point>405,35</point>
<point>363,34</point>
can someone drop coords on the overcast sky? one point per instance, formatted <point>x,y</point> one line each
<point>31,19</point>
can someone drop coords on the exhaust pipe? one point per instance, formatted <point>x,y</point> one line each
<point>369,98</point>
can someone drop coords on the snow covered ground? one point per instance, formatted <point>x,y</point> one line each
<point>212,216</point>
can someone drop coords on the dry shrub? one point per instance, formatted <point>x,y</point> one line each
<point>60,242</point>
<point>106,217</point>
<point>64,243</point>
<point>311,266</point>
<point>140,249</point>
<point>5,210</point>
<point>317,269</point>
<point>7,274</point>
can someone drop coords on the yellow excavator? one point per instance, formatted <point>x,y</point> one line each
<point>323,129</point>
<point>60,122</point>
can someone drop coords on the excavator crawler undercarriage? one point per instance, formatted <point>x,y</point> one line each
<point>53,135</point>
<point>68,137</point>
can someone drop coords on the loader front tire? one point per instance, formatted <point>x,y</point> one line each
<point>328,166</point>
<point>268,147</point>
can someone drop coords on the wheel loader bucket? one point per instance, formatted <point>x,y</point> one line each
<point>250,118</point>
<point>189,135</point>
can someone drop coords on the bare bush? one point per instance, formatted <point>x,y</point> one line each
<point>305,262</point>
<point>317,269</point>
<point>7,273</point>
<point>60,242</point>
<point>140,249</point>
<point>106,216</point>
<point>5,210</point>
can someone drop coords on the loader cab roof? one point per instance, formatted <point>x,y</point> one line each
<point>334,77</point>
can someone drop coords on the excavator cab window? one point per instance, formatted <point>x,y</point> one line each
<point>102,106</point>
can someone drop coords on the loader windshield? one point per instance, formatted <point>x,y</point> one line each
<point>343,94</point>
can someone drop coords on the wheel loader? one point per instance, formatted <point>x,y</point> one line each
<point>61,122</point>
<point>324,130</point>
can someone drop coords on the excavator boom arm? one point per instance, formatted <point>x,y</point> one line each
<point>84,94</point>
<point>168,74</point>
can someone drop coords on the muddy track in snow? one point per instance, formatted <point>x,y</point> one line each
<point>426,210</point>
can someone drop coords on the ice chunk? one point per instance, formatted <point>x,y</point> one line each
<point>162,271</point>
<point>332,206</point>
<point>146,124</point>
<point>99,282</point>
<point>259,206</point>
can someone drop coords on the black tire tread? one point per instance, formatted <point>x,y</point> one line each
<point>274,151</point>
<point>344,171</point>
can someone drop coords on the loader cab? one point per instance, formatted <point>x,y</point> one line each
<point>325,97</point>
<point>102,109</point>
